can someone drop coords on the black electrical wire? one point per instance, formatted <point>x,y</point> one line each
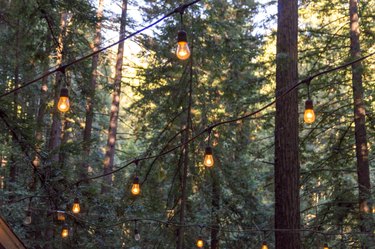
<point>179,9</point>
<point>290,89</point>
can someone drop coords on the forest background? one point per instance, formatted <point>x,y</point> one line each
<point>137,100</point>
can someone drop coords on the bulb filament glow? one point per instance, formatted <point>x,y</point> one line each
<point>309,115</point>
<point>65,231</point>
<point>208,157</point>
<point>63,105</point>
<point>200,242</point>
<point>76,207</point>
<point>182,51</point>
<point>136,190</point>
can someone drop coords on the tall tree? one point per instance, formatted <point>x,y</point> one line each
<point>113,120</point>
<point>287,168</point>
<point>363,171</point>
<point>55,134</point>
<point>91,92</point>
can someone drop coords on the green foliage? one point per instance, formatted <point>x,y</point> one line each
<point>233,69</point>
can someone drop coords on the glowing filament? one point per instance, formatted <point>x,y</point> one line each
<point>208,157</point>
<point>136,190</point>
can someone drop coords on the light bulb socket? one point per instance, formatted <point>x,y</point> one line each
<point>325,245</point>
<point>208,151</point>
<point>76,200</point>
<point>264,243</point>
<point>136,180</point>
<point>181,36</point>
<point>309,104</point>
<point>64,92</point>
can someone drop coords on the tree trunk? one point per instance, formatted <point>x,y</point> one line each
<point>12,161</point>
<point>113,120</point>
<point>215,202</point>
<point>39,124</point>
<point>287,169</point>
<point>185,151</point>
<point>363,171</point>
<point>55,135</point>
<point>91,94</point>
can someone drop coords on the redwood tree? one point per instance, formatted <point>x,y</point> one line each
<point>287,168</point>
<point>363,171</point>
<point>113,120</point>
<point>91,92</point>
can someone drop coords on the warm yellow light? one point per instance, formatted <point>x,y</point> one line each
<point>208,157</point>
<point>183,51</point>
<point>309,115</point>
<point>200,243</point>
<point>325,246</point>
<point>264,245</point>
<point>136,190</point>
<point>63,105</point>
<point>65,231</point>
<point>60,215</point>
<point>76,207</point>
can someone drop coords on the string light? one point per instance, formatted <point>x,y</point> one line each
<point>136,190</point>
<point>208,157</point>
<point>264,245</point>
<point>65,231</point>
<point>137,236</point>
<point>309,114</point>
<point>63,105</point>
<point>60,215</point>
<point>208,160</point>
<point>27,220</point>
<point>325,246</point>
<point>76,208</point>
<point>182,51</point>
<point>200,242</point>
<point>207,149</point>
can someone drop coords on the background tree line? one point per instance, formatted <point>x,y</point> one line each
<point>137,100</point>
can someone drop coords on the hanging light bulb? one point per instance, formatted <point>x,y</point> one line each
<point>309,115</point>
<point>264,245</point>
<point>325,246</point>
<point>183,51</point>
<point>200,242</point>
<point>65,231</point>
<point>137,236</point>
<point>76,207</point>
<point>60,215</point>
<point>136,190</point>
<point>63,105</point>
<point>27,220</point>
<point>208,157</point>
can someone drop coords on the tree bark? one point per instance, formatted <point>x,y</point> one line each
<point>55,134</point>
<point>363,171</point>
<point>91,94</point>
<point>287,168</point>
<point>185,151</point>
<point>215,203</point>
<point>39,124</point>
<point>113,120</point>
